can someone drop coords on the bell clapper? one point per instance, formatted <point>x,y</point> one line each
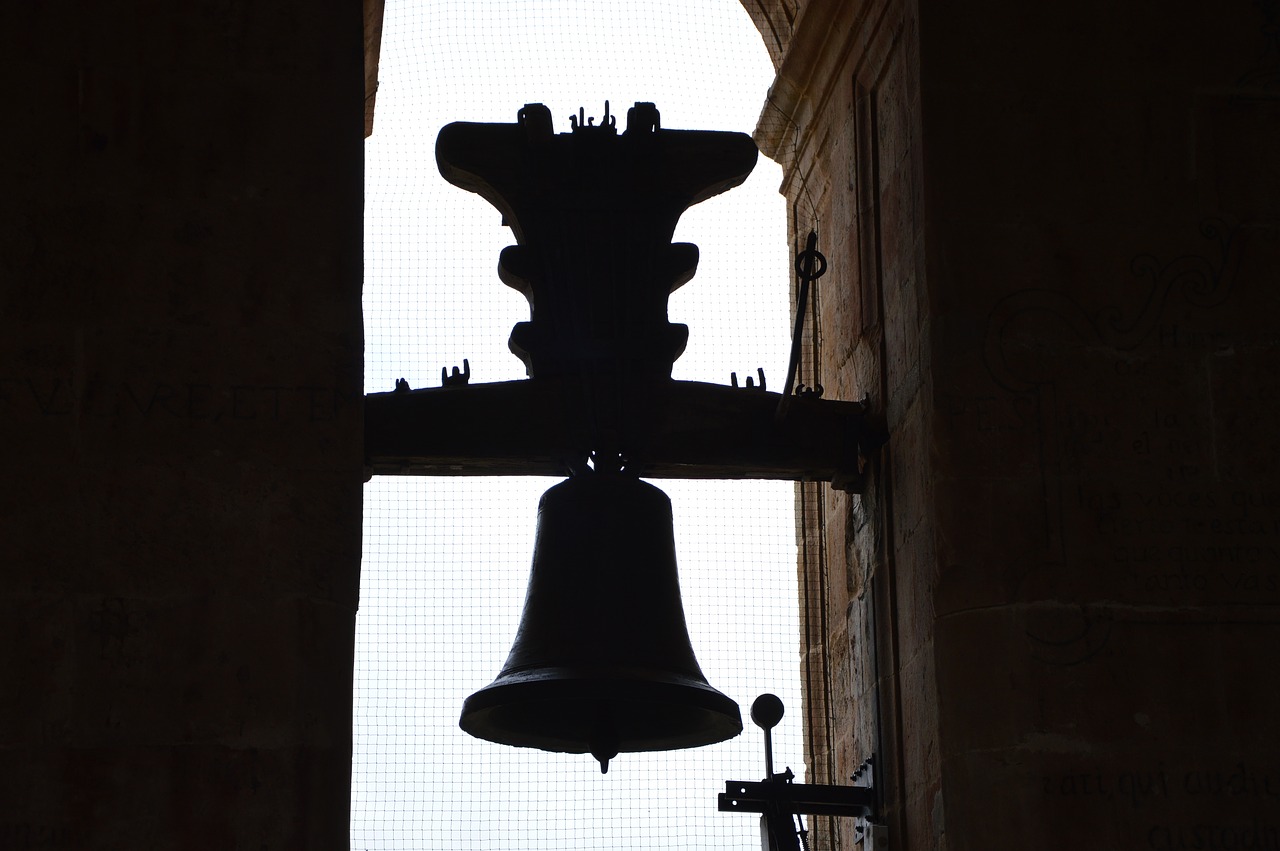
<point>604,739</point>
<point>603,756</point>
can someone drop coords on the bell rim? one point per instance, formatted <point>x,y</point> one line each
<point>720,714</point>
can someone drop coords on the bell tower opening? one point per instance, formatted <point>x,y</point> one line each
<point>447,559</point>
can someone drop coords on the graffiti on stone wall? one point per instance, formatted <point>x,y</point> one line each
<point>1202,281</point>
<point>1122,443</point>
<point>1265,71</point>
<point>1185,806</point>
<point>1075,638</point>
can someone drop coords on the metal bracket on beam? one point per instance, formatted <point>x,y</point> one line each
<point>780,801</point>
<point>797,798</point>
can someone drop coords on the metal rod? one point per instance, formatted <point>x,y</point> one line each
<point>807,273</point>
<point>768,753</point>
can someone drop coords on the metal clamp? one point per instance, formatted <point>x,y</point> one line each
<point>781,802</point>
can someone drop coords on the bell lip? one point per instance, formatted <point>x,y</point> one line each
<point>720,715</point>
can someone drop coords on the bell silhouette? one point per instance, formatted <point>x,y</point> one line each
<point>602,661</point>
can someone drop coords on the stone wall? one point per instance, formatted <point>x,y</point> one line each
<point>180,383</point>
<point>1054,235</point>
<point>843,117</point>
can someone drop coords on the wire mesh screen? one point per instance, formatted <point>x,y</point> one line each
<point>446,560</point>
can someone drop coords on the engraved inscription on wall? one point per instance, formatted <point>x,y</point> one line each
<point>1169,808</point>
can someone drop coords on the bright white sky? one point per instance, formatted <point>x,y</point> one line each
<point>446,560</point>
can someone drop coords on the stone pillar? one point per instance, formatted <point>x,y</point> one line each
<point>180,382</point>
<point>1054,237</point>
<point>843,118</point>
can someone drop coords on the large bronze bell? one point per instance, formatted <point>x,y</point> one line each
<point>602,661</point>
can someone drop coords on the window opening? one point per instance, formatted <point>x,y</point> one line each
<point>446,560</point>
